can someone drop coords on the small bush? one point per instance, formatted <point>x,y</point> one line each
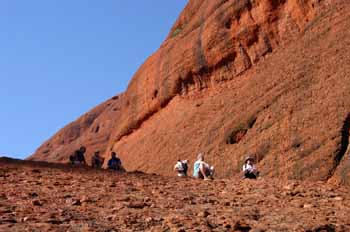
<point>176,32</point>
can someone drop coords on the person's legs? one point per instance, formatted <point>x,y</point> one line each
<point>206,172</point>
<point>202,173</point>
<point>98,164</point>
<point>181,174</point>
<point>71,159</point>
<point>93,162</point>
<point>250,175</point>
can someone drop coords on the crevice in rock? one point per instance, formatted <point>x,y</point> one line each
<point>97,129</point>
<point>246,57</point>
<point>239,132</point>
<point>344,141</point>
<point>228,24</point>
<point>343,146</point>
<point>268,45</point>
<point>226,60</point>
<point>155,94</point>
<point>326,228</point>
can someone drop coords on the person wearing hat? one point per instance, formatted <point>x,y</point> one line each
<point>249,169</point>
<point>181,168</point>
<point>97,160</point>
<point>201,169</point>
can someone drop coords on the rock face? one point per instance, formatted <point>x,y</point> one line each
<point>234,77</point>
<point>54,197</point>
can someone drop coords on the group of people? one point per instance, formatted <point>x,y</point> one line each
<point>203,170</point>
<point>114,163</point>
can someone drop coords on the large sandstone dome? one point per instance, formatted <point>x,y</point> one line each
<point>268,78</point>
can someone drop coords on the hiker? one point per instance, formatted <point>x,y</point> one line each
<point>73,159</point>
<point>97,160</point>
<point>181,168</point>
<point>201,169</point>
<point>114,163</point>
<point>78,156</point>
<point>249,169</point>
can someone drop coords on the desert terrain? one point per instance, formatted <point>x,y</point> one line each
<point>55,197</point>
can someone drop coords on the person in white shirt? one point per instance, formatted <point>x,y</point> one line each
<point>181,168</point>
<point>249,169</point>
<point>201,169</point>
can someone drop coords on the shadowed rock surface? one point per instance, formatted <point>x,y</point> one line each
<point>51,197</point>
<point>234,77</point>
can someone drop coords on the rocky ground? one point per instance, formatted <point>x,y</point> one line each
<point>49,197</point>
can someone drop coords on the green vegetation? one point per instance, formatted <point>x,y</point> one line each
<point>176,32</point>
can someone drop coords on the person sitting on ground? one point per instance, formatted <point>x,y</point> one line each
<point>97,160</point>
<point>78,156</point>
<point>201,169</point>
<point>73,158</point>
<point>114,163</point>
<point>249,169</point>
<point>181,167</point>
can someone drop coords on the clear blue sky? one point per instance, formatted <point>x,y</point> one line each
<point>60,58</point>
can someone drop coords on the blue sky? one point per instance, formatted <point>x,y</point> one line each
<point>60,58</point>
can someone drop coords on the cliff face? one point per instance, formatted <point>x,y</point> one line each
<point>234,77</point>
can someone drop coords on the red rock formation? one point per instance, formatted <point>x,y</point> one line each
<point>234,77</point>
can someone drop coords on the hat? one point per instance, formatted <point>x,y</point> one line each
<point>248,158</point>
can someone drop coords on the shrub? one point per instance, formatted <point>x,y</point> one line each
<point>176,32</point>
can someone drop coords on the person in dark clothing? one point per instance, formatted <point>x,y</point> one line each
<point>114,163</point>
<point>181,168</point>
<point>97,160</point>
<point>78,156</point>
<point>72,159</point>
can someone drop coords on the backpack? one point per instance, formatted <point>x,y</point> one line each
<point>184,166</point>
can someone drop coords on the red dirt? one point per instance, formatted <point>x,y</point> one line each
<point>277,69</point>
<point>51,197</point>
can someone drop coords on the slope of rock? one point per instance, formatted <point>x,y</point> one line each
<point>234,77</point>
<point>51,197</point>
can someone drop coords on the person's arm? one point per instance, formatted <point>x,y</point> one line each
<point>254,170</point>
<point>247,168</point>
